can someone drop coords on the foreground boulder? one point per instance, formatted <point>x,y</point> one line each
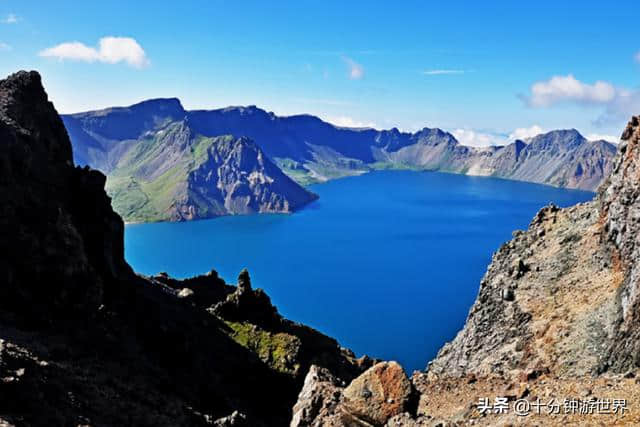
<point>319,401</point>
<point>380,393</point>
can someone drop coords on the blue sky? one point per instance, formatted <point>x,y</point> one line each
<point>479,69</point>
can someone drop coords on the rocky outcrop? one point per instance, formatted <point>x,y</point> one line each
<point>86,341</point>
<point>60,238</point>
<point>619,213</point>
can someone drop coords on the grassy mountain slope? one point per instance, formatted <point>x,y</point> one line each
<point>173,174</point>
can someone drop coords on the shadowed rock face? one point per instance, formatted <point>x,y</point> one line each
<point>60,237</point>
<point>86,341</point>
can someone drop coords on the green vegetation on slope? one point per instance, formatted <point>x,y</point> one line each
<point>277,350</point>
<point>154,173</point>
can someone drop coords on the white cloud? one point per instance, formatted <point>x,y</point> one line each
<point>473,138</point>
<point>356,72</point>
<point>441,72</point>
<point>568,89</point>
<point>111,50</point>
<point>637,57</point>
<point>11,19</point>
<point>486,138</point>
<point>525,133</point>
<point>618,103</point>
<point>4,47</point>
<point>598,137</point>
<point>348,122</point>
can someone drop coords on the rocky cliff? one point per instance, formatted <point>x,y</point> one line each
<point>86,341</point>
<point>555,321</point>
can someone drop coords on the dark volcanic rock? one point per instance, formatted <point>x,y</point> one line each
<point>61,239</point>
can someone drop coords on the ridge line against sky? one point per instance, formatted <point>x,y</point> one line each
<point>493,73</point>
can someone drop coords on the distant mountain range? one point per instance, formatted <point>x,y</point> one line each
<point>166,163</point>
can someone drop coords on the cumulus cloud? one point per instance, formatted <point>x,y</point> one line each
<point>441,72</point>
<point>486,138</point>
<point>568,89</point>
<point>618,103</point>
<point>598,137</point>
<point>11,19</point>
<point>356,72</point>
<point>474,138</point>
<point>348,122</point>
<point>525,133</point>
<point>110,50</point>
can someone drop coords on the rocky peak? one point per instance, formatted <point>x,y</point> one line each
<point>435,136</point>
<point>26,111</point>
<point>168,106</point>
<point>61,238</point>
<point>564,139</point>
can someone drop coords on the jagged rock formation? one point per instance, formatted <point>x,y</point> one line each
<point>125,142</point>
<point>56,222</point>
<point>556,317</point>
<point>86,341</point>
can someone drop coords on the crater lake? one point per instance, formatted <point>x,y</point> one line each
<point>388,263</point>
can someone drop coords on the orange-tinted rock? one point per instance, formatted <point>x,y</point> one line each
<point>380,393</point>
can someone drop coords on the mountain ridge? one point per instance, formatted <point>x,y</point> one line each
<point>311,150</point>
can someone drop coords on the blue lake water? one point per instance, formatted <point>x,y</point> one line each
<point>388,263</point>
